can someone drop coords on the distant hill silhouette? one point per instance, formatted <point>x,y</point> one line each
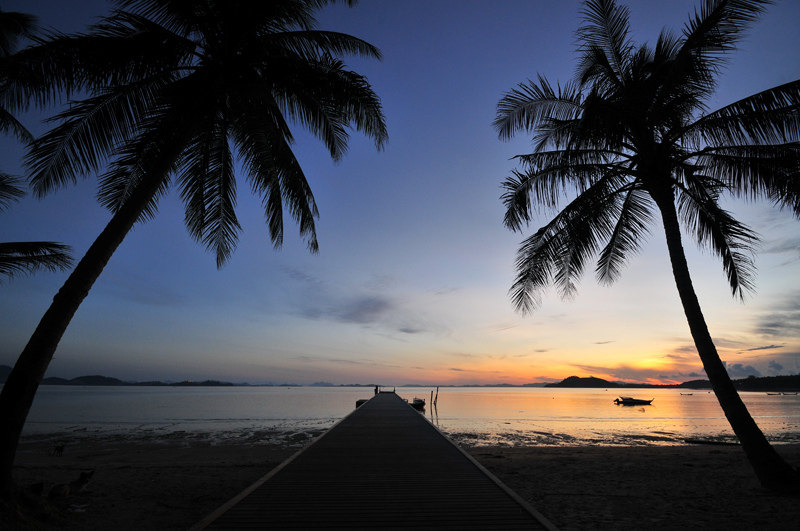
<point>590,382</point>
<point>751,383</point>
<point>764,383</point>
<point>96,379</point>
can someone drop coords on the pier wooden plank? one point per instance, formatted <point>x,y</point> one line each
<point>383,467</point>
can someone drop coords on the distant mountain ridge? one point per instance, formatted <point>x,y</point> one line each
<point>591,382</point>
<point>96,379</point>
<point>751,383</point>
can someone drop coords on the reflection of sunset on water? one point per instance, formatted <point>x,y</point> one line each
<point>558,416</point>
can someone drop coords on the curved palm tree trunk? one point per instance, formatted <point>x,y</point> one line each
<point>23,381</point>
<point>772,470</point>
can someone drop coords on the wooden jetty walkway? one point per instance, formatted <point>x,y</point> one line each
<point>384,466</point>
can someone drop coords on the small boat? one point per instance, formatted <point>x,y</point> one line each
<point>687,394</point>
<point>789,394</point>
<point>773,394</point>
<point>418,404</point>
<point>629,401</point>
<point>361,401</point>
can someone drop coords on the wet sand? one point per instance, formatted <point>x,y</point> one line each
<point>171,484</point>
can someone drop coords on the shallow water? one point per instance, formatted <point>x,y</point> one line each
<point>478,416</point>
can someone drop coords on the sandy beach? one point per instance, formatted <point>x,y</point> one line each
<point>171,484</point>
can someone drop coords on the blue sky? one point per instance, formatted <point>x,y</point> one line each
<point>411,281</point>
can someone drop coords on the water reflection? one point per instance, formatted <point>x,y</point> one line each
<point>505,416</point>
<point>522,416</point>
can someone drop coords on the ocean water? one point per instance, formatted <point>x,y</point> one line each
<point>477,416</point>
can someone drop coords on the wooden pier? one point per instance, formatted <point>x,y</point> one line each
<point>384,466</point>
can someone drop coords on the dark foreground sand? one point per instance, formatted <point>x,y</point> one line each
<point>173,484</point>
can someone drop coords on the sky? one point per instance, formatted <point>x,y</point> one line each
<point>411,281</point>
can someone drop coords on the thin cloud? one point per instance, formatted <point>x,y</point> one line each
<point>300,276</point>
<point>783,320</point>
<point>368,309</point>
<point>766,347</point>
<point>784,245</point>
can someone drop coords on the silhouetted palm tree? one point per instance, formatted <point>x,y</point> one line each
<point>629,137</point>
<point>20,257</point>
<point>179,89</point>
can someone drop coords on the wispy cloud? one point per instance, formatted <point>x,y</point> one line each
<point>719,342</point>
<point>783,320</point>
<point>371,307</point>
<point>345,361</point>
<point>362,310</point>
<point>765,347</point>
<point>783,245</point>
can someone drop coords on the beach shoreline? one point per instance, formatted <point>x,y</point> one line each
<point>173,483</point>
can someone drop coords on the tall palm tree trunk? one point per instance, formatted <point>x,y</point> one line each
<point>772,470</point>
<point>23,381</point>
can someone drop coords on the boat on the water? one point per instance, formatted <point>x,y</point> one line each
<point>418,404</point>
<point>630,401</point>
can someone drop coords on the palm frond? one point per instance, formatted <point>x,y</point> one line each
<point>150,158</point>
<point>208,189</point>
<point>89,133</point>
<point>10,124</point>
<point>771,116</point>
<point>27,257</point>
<point>14,25</point>
<point>326,99</point>
<point>528,105</point>
<point>275,175</point>
<point>10,190</point>
<point>718,25</point>
<point>714,228</point>
<point>558,252</point>
<point>317,43</point>
<point>709,36</point>
<point>762,171</point>
<point>606,46</point>
<point>633,218</point>
<point>549,176</point>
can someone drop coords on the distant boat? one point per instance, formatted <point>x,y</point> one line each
<point>629,401</point>
<point>774,394</point>
<point>418,404</point>
<point>687,394</point>
<point>792,394</point>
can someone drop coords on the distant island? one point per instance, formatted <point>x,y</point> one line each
<point>751,383</point>
<point>96,379</point>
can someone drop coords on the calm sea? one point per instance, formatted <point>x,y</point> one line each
<point>478,416</point>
